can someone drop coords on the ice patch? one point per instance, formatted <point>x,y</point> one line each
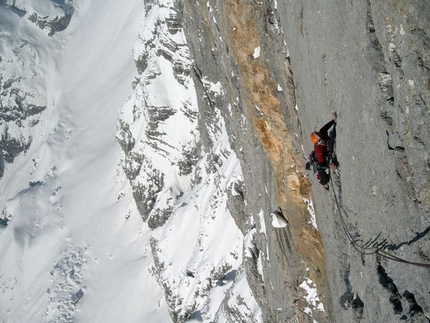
<point>312,297</point>
<point>213,88</point>
<point>256,52</point>
<point>278,220</point>
<point>310,207</point>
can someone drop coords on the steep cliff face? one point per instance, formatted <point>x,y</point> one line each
<point>212,146</point>
<point>370,63</point>
<point>241,44</point>
<point>212,60</point>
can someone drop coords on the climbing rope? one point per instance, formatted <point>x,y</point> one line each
<point>372,246</point>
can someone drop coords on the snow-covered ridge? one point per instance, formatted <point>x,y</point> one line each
<point>158,124</point>
<point>181,183</point>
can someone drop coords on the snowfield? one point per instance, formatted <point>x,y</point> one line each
<point>75,231</point>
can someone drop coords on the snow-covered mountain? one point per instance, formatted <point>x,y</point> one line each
<point>152,161</point>
<point>181,182</point>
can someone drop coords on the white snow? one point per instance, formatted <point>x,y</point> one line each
<point>310,207</point>
<point>78,228</point>
<point>259,110</point>
<point>213,88</point>
<point>311,297</point>
<point>256,53</point>
<point>278,221</point>
<point>76,248</point>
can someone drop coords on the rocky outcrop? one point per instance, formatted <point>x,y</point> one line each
<point>159,129</point>
<point>184,173</point>
<point>25,71</point>
<point>52,16</point>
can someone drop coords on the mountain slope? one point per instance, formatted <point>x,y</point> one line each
<point>69,228</point>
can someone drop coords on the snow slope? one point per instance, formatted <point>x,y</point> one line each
<point>76,226</point>
<point>183,182</point>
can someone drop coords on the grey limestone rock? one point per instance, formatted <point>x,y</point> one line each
<point>369,61</point>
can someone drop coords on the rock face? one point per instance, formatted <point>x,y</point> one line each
<point>370,62</point>
<point>242,45</point>
<point>280,68</point>
<point>209,60</point>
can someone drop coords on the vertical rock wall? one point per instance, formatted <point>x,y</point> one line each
<point>241,45</point>
<point>369,60</point>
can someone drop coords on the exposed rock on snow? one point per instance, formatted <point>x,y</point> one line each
<point>158,126</point>
<point>49,15</point>
<point>182,169</point>
<point>25,69</point>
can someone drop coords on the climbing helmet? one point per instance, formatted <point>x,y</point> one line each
<point>315,137</point>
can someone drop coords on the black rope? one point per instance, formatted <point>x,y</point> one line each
<point>371,247</point>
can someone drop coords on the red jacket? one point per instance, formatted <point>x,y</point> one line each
<point>322,148</point>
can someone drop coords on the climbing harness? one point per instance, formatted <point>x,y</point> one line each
<point>312,161</point>
<point>372,246</point>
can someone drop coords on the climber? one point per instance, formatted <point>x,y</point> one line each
<point>324,151</point>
